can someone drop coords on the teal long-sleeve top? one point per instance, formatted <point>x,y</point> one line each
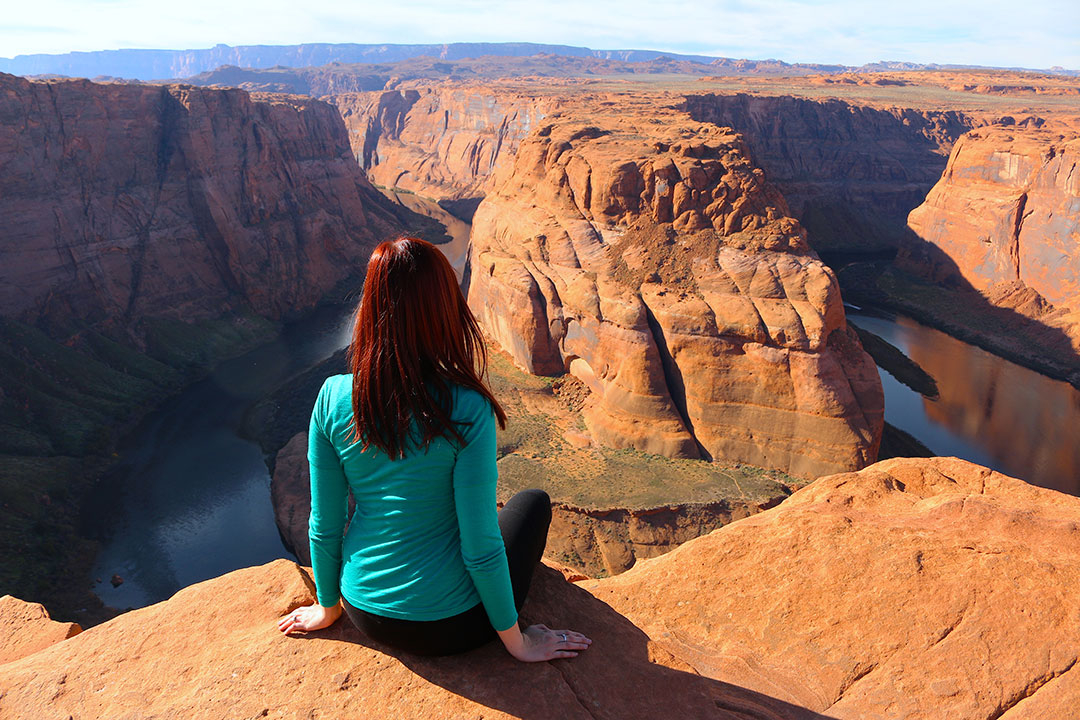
<point>424,540</point>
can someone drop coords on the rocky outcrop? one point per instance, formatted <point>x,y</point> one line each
<point>646,255</point>
<point>850,173</point>
<point>915,588</point>
<point>439,142</point>
<point>1006,209</point>
<point>1003,226</point>
<point>125,201</point>
<point>26,628</point>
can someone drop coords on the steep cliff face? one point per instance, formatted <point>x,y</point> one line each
<point>122,202</point>
<point>1007,208</point>
<point>149,232</point>
<point>916,588</point>
<point>648,258</point>
<point>439,142</point>
<point>850,173</point>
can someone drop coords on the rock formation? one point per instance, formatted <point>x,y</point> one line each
<point>127,201</point>
<point>439,142</point>
<point>1007,208</point>
<point>850,173</point>
<point>1004,220</point>
<point>915,588</point>
<point>647,256</point>
<point>26,628</point>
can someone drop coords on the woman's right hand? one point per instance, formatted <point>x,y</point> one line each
<point>538,643</point>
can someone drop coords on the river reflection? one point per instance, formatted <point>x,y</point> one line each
<point>991,411</point>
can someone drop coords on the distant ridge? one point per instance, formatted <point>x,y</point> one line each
<point>178,64</point>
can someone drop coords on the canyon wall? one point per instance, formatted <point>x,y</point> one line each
<point>850,173</point>
<point>920,589</point>
<point>124,201</point>
<point>1007,208</point>
<point>149,232</point>
<point>645,254</point>
<point>438,142</point>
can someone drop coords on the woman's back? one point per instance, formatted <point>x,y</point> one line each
<point>424,539</point>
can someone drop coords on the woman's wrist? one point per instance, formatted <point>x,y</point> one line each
<point>513,640</point>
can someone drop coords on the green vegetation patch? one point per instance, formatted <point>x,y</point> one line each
<point>196,346</point>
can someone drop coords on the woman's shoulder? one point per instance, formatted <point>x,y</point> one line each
<point>469,403</point>
<point>335,390</point>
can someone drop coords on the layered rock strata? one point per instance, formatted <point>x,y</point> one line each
<point>850,173</point>
<point>1004,221</point>
<point>647,256</point>
<point>915,588</point>
<point>127,201</point>
<point>439,142</point>
<point>1007,208</point>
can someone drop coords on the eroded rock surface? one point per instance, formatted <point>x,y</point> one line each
<point>648,257</point>
<point>849,172</point>
<point>127,201</point>
<point>439,142</point>
<point>1005,220</point>
<point>26,628</point>
<point>1008,209</point>
<point>915,588</point>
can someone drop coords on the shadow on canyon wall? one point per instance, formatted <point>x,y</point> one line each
<point>850,173</point>
<point>924,283</point>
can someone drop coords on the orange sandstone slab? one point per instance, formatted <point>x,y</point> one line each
<point>26,628</point>
<point>912,589</point>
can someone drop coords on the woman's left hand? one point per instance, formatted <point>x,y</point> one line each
<point>309,618</point>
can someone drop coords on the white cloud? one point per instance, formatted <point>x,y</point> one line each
<point>1038,34</point>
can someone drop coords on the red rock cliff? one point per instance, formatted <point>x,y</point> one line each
<point>126,201</point>
<point>850,173</point>
<point>648,257</point>
<point>1007,208</point>
<point>439,142</point>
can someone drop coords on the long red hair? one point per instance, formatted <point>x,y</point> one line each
<point>414,336</point>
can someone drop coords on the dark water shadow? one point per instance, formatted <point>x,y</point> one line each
<point>620,676</point>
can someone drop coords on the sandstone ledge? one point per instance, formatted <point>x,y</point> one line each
<point>914,588</point>
<point>26,628</point>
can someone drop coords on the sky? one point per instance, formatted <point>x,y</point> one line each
<point>1032,34</point>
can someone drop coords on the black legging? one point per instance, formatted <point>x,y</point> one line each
<point>524,522</point>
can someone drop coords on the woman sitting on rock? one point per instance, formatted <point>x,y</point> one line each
<point>429,566</point>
